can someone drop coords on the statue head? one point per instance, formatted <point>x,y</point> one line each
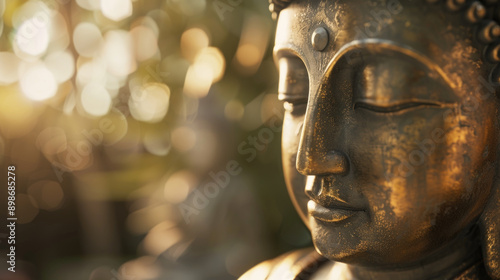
<point>391,133</point>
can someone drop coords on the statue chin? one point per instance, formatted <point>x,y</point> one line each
<point>390,138</point>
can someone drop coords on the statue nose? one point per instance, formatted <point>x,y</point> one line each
<point>314,157</point>
<point>321,163</point>
<point>322,139</point>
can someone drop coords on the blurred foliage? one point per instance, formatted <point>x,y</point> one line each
<point>124,120</point>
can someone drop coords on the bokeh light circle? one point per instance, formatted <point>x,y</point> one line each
<point>38,83</point>
<point>32,37</point>
<point>116,9</point>
<point>150,103</point>
<point>87,39</point>
<point>95,99</point>
<point>61,64</point>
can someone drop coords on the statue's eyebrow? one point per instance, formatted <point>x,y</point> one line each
<point>380,46</point>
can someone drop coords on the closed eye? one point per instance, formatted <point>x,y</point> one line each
<point>393,108</point>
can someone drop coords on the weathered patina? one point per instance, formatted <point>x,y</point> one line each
<point>390,137</point>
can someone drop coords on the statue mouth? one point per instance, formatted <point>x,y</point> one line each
<point>332,213</point>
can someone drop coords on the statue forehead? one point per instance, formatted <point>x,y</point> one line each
<point>418,27</point>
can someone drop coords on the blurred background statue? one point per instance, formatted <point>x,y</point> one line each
<point>390,138</point>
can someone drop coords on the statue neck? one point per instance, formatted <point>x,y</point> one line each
<point>448,262</point>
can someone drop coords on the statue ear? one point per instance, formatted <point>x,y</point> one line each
<point>489,224</point>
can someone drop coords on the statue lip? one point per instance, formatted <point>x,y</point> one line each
<point>332,213</point>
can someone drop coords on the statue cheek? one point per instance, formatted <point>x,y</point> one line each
<point>411,166</point>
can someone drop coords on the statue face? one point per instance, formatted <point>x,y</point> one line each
<point>389,137</point>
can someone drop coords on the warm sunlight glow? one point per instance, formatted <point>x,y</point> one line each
<point>38,83</point>
<point>95,100</point>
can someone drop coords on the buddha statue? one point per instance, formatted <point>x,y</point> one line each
<point>390,138</point>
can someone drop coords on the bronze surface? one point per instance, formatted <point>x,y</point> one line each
<point>390,136</point>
